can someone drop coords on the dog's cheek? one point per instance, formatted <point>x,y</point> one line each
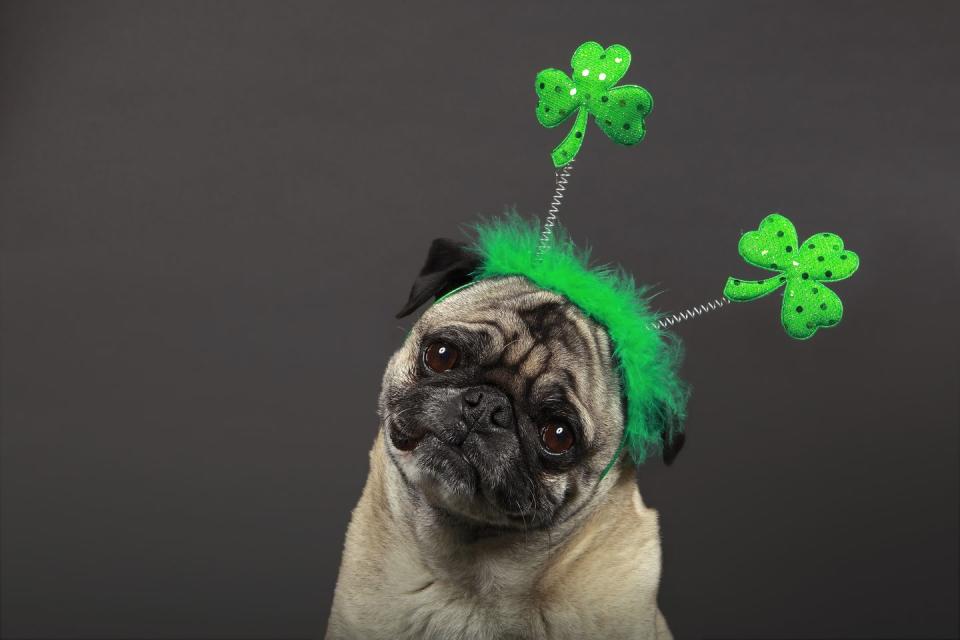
<point>517,500</point>
<point>502,472</point>
<point>526,490</point>
<point>413,398</point>
<point>513,491</point>
<point>554,488</point>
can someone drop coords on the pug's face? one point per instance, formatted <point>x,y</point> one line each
<point>503,406</point>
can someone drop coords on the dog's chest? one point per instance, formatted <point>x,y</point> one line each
<point>444,609</point>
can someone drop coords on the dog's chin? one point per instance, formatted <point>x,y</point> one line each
<point>448,467</point>
<point>451,484</point>
<point>472,516</point>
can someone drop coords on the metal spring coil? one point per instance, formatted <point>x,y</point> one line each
<point>561,186</point>
<point>555,203</point>
<point>693,312</point>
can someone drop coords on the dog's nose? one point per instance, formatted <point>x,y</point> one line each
<point>486,407</point>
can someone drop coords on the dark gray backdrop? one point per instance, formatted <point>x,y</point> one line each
<point>212,211</point>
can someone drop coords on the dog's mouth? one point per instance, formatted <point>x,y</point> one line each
<point>443,460</point>
<point>404,441</point>
<point>447,463</point>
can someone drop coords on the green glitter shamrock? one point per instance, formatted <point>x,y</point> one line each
<point>807,303</point>
<point>619,111</point>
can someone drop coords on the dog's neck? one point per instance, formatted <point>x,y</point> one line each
<point>500,562</point>
<point>405,576</point>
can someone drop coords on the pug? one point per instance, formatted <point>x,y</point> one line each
<point>484,515</point>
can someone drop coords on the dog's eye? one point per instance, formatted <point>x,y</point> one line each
<point>556,437</point>
<point>441,356</point>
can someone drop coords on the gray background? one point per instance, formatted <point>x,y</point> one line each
<point>212,211</point>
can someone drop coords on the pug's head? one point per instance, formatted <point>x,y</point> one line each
<point>504,405</point>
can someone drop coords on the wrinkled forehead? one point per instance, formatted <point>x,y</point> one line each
<point>527,332</point>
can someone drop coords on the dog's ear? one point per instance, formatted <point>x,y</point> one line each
<point>672,434</point>
<point>449,265</point>
<point>672,445</point>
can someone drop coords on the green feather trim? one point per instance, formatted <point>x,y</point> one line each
<point>647,357</point>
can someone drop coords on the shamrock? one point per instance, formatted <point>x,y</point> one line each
<point>619,111</point>
<point>807,303</point>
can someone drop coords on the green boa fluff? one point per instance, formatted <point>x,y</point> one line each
<point>647,357</point>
